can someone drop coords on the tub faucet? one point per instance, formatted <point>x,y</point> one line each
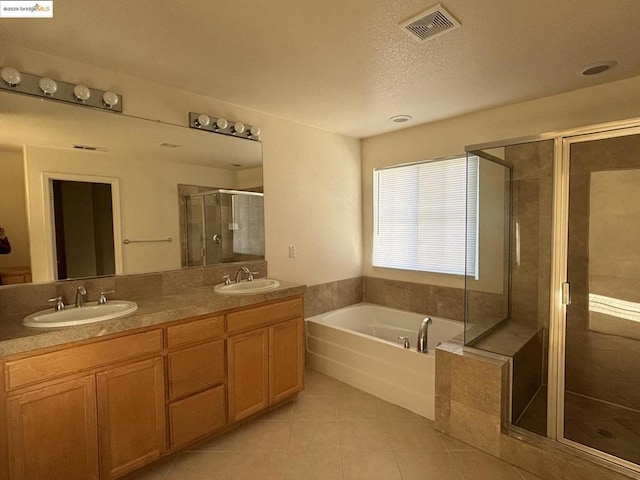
<point>80,293</point>
<point>423,335</point>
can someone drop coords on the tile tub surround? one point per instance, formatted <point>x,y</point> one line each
<point>333,431</point>
<point>472,395</point>
<point>446,302</point>
<point>329,296</point>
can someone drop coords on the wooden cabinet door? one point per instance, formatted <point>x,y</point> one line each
<point>248,376</point>
<point>53,432</point>
<point>286,360</point>
<point>131,416</point>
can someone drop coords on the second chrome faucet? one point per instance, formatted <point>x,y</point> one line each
<point>423,335</point>
<point>80,293</point>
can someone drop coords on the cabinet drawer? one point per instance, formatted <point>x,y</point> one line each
<point>19,373</point>
<point>197,416</point>
<point>265,315</point>
<point>208,328</point>
<point>196,368</point>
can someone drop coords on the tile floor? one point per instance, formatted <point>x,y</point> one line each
<point>334,431</point>
<point>597,424</point>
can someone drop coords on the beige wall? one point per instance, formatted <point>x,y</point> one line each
<point>603,103</point>
<point>13,212</point>
<point>311,177</point>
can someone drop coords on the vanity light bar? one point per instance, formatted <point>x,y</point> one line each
<point>44,87</point>
<point>202,121</point>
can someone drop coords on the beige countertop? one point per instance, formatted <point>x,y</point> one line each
<point>16,338</point>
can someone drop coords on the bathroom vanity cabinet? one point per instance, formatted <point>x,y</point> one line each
<point>98,409</point>
<point>66,405</point>
<point>196,377</point>
<point>265,348</point>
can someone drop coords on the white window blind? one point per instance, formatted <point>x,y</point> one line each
<point>423,217</point>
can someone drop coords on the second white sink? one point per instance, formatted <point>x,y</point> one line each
<point>90,313</point>
<point>258,285</point>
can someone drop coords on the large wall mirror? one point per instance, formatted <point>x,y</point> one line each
<point>86,193</point>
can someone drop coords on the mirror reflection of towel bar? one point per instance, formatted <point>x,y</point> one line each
<point>126,241</point>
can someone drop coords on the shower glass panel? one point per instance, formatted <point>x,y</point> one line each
<point>223,226</point>
<point>507,306</point>
<point>602,339</point>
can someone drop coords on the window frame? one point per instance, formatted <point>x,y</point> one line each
<point>469,265</point>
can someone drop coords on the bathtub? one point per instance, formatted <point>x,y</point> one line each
<point>358,345</point>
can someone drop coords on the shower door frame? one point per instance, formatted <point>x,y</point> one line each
<point>559,277</point>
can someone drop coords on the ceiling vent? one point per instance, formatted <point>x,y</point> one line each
<point>89,147</point>
<point>429,24</point>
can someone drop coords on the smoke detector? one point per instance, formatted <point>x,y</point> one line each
<point>429,24</point>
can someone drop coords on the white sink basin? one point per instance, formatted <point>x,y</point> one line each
<point>90,313</point>
<point>259,285</point>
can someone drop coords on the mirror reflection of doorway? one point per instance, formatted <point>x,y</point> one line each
<point>83,223</point>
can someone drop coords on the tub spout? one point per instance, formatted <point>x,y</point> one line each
<point>423,335</point>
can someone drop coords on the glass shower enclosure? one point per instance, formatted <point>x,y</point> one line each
<point>222,226</point>
<point>566,309</point>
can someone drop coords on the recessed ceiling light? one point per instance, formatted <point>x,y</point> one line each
<point>400,118</point>
<point>598,67</point>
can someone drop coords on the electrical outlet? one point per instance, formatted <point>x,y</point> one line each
<point>292,251</point>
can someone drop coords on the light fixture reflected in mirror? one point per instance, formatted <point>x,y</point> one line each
<point>82,93</point>
<point>48,85</point>
<point>110,99</point>
<point>238,127</point>
<point>11,76</point>
<point>202,121</point>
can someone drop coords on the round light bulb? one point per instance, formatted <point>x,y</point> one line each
<point>110,99</point>
<point>81,92</point>
<point>254,131</point>
<point>11,76</point>
<point>221,123</point>
<point>48,85</point>
<point>238,127</point>
<point>203,120</point>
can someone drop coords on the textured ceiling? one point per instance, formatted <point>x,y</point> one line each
<point>344,65</point>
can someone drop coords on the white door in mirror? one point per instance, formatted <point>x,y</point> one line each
<point>90,313</point>
<point>259,285</point>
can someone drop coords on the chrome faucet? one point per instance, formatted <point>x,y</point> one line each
<point>405,341</point>
<point>102,299</point>
<point>242,270</point>
<point>80,293</point>
<point>59,303</point>
<point>423,335</point>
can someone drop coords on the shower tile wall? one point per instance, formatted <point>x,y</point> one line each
<point>532,221</point>
<point>532,190</point>
<point>600,365</point>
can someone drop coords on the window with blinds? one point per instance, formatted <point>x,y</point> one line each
<point>426,216</point>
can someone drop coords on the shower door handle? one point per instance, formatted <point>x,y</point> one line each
<point>566,293</point>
